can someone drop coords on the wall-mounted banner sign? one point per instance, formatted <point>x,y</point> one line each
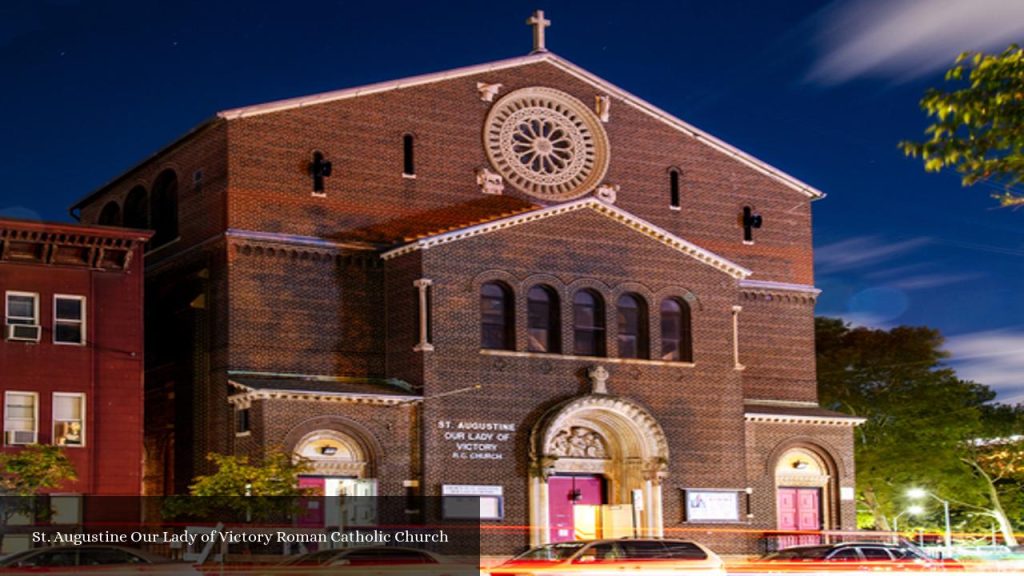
<point>471,501</point>
<point>712,505</point>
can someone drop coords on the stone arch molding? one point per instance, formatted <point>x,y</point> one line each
<point>823,452</point>
<point>608,430</point>
<point>355,452</point>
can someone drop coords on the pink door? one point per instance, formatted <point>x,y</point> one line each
<point>312,514</point>
<point>799,509</point>
<point>564,492</point>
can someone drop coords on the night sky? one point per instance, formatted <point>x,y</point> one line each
<point>823,91</point>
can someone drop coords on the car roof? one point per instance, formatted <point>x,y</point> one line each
<point>881,544</point>
<point>629,539</point>
<point>148,556</point>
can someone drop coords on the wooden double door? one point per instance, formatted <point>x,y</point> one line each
<point>799,510</point>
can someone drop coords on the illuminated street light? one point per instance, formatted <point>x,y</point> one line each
<point>914,510</point>
<point>918,493</point>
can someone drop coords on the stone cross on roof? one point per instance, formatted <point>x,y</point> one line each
<point>539,24</point>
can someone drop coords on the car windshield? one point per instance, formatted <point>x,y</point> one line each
<point>908,554</point>
<point>808,553</point>
<point>552,552</point>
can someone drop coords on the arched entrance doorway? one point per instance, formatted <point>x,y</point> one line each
<point>341,466</point>
<point>597,463</point>
<point>804,495</point>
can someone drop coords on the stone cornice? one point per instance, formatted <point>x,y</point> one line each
<point>780,292</point>
<point>800,419</point>
<point>247,394</point>
<point>54,244</point>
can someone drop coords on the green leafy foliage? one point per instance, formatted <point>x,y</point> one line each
<point>978,125</point>
<point>925,426</point>
<point>26,473</point>
<point>241,490</point>
<point>277,475</point>
<point>34,468</point>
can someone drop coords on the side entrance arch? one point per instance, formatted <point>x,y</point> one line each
<point>342,464</point>
<point>805,494</point>
<point>592,459</point>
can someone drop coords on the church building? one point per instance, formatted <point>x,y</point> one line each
<point>514,280</point>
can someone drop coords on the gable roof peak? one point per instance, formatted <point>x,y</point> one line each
<point>561,63</point>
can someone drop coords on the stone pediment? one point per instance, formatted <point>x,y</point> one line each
<point>638,225</point>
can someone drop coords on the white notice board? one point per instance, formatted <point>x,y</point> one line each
<point>712,505</point>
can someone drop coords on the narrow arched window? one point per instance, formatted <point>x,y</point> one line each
<point>588,324</point>
<point>542,315</point>
<point>136,208</point>
<point>408,162</point>
<point>673,188</point>
<point>633,340</point>
<point>164,208</point>
<point>496,326</point>
<point>676,339</point>
<point>110,215</point>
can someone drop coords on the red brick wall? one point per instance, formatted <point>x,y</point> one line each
<point>108,369</point>
<point>304,312</point>
<point>776,346</point>
<point>269,155</point>
<point>766,441</point>
<point>699,407</point>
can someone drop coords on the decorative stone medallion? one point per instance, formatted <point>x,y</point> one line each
<point>546,143</point>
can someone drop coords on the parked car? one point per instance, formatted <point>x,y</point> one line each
<point>850,556</point>
<point>652,557</point>
<point>91,559</point>
<point>371,561</point>
<point>993,558</point>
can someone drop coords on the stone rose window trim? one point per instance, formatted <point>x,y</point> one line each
<point>546,143</point>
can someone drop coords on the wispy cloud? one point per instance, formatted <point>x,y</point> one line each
<point>905,39</point>
<point>862,251</point>
<point>994,358</point>
<point>19,212</point>
<point>865,320</point>
<point>923,281</point>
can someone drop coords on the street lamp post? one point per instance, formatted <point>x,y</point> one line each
<point>913,511</point>
<point>916,493</point>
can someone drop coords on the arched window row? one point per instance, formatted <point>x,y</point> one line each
<point>142,209</point>
<point>589,317</point>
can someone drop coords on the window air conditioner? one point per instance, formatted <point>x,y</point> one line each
<point>22,332</point>
<point>18,437</point>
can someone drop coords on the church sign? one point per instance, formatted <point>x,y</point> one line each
<point>473,501</point>
<point>471,440</point>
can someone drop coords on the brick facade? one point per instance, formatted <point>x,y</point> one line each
<point>305,313</point>
<point>102,267</point>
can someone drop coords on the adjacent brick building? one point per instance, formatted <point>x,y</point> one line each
<point>71,366</point>
<point>514,280</point>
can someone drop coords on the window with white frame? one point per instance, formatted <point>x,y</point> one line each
<point>68,419</point>
<point>21,413</point>
<point>68,319</point>
<point>22,308</point>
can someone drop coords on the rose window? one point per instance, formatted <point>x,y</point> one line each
<point>546,143</point>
